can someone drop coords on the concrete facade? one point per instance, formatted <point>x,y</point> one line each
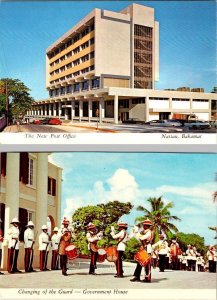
<point>102,67</point>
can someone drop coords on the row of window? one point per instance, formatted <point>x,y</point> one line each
<point>142,31</point>
<point>77,87</point>
<point>74,63</point>
<point>72,75</point>
<point>73,52</point>
<point>72,41</point>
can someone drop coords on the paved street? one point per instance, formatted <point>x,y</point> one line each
<point>80,279</point>
<point>83,127</point>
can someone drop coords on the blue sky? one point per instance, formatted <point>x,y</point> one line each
<point>187,39</point>
<point>185,179</point>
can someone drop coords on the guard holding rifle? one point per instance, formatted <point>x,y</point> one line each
<point>144,257</point>
<point>64,242</point>
<point>93,237</point>
<point>28,245</point>
<point>43,248</point>
<point>122,238</point>
<point>55,240</point>
<point>13,246</point>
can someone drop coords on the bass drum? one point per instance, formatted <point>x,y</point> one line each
<point>142,257</point>
<point>101,255</point>
<point>112,254</point>
<point>71,252</point>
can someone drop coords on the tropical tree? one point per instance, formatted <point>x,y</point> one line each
<point>160,216</point>
<point>184,239</point>
<point>19,95</point>
<point>103,216</point>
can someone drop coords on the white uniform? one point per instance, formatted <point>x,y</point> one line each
<point>91,238</point>
<point>55,241</point>
<point>147,237</point>
<point>13,236</point>
<point>121,235</point>
<point>28,237</point>
<point>212,255</point>
<point>161,246</point>
<point>190,254</point>
<point>43,241</point>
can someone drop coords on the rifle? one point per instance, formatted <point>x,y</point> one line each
<point>12,267</point>
<point>31,252</point>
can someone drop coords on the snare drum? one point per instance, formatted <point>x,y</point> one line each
<point>112,254</point>
<point>71,251</point>
<point>101,255</point>
<point>142,257</point>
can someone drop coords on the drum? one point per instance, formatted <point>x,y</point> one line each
<point>101,255</point>
<point>142,257</point>
<point>71,251</point>
<point>112,254</point>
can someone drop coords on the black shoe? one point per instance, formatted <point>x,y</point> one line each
<point>119,276</point>
<point>33,270</point>
<point>135,279</point>
<point>18,271</point>
<point>92,273</point>
<point>2,273</point>
<point>46,269</point>
<point>64,274</point>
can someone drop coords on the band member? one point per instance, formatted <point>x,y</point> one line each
<point>174,251</point>
<point>65,239</point>
<point>43,248</point>
<point>162,247</point>
<point>212,257</point>
<point>179,259</point>
<point>189,254</point>
<point>55,240</point>
<point>200,263</point>
<point>1,242</point>
<point>183,262</point>
<point>194,259</point>
<point>145,237</point>
<point>93,237</point>
<point>28,245</point>
<point>122,238</point>
<point>13,246</point>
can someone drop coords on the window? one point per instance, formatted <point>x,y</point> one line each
<point>76,73</point>
<point>85,85</point>
<point>77,87</point>
<point>24,167</point>
<point>76,50</point>
<point>76,38</point>
<point>76,62</point>
<point>138,101</point>
<point>92,41</point>
<point>63,91</point>
<point>85,70</point>
<point>69,89</point>
<point>92,54</point>
<point>95,83</point>
<point>124,103</point>
<point>69,54</point>
<point>68,65</point>
<point>85,45</point>
<point>85,32</point>
<point>85,58</point>
<point>51,186</point>
<point>31,170</point>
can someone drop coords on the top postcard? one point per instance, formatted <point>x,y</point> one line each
<point>73,67</point>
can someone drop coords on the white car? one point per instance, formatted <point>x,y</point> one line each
<point>197,125</point>
<point>165,123</point>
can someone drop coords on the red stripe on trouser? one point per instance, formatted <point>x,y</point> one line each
<point>27,259</point>
<point>10,259</point>
<point>42,260</point>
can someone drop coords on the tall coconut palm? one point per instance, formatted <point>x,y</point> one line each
<point>160,217</point>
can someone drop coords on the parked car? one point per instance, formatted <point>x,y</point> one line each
<point>45,121</point>
<point>55,121</point>
<point>197,125</point>
<point>36,121</point>
<point>133,121</point>
<point>164,123</point>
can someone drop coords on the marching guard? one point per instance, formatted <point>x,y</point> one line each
<point>55,240</point>
<point>28,245</point>
<point>162,247</point>
<point>189,253</point>
<point>145,237</point>
<point>64,242</point>
<point>122,238</point>
<point>212,258</point>
<point>1,242</point>
<point>174,252</point>
<point>43,248</point>
<point>13,246</point>
<point>93,237</point>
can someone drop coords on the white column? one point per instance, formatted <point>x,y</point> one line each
<point>191,105</point>
<point>41,190</point>
<point>59,109</point>
<point>90,109</point>
<point>116,109</point>
<point>146,109</point>
<point>12,188</point>
<point>49,109</point>
<point>59,193</point>
<point>101,110</point>
<point>55,109</point>
<point>80,110</point>
<point>72,109</point>
<point>45,109</point>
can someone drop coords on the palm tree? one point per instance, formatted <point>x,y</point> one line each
<point>160,217</point>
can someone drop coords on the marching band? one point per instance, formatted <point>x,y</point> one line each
<point>149,255</point>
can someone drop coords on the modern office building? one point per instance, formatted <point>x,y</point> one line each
<point>106,66</point>
<point>30,189</point>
